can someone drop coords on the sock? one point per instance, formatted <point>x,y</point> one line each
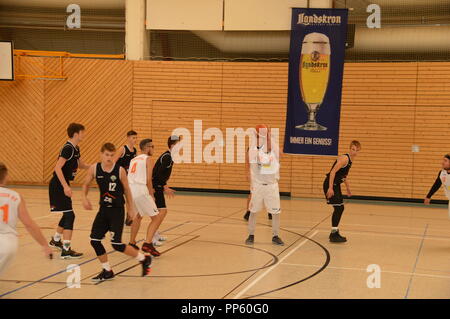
<point>275,224</point>
<point>66,244</point>
<point>57,236</point>
<point>140,257</point>
<point>106,266</point>
<point>334,229</point>
<point>251,223</point>
<point>155,237</point>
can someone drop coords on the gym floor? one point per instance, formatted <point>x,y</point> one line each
<point>205,255</point>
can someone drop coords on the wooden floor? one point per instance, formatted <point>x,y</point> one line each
<point>205,256</point>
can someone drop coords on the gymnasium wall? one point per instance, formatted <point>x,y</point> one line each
<point>387,106</point>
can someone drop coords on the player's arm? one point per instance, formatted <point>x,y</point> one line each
<point>437,184</point>
<point>119,154</point>
<point>341,162</point>
<point>85,190</point>
<point>83,165</point>
<point>33,228</point>
<point>58,171</point>
<point>165,161</point>
<point>127,191</point>
<point>347,185</point>
<point>149,165</point>
<point>247,165</point>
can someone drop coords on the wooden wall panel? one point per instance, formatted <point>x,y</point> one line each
<point>22,123</point>
<point>96,94</point>
<point>432,125</point>
<point>379,83</point>
<point>169,115</point>
<point>387,106</point>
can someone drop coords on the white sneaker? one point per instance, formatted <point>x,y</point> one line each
<point>157,243</point>
<point>162,238</point>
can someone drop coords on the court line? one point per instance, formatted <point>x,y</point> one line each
<point>204,226</point>
<point>257,279</point>
<point>221,217</point>
<point>293,243</point>
<point>163,252</point>
<point>417,260</point>
<point>64,270</point>
<point>274,261</point>
<point>365,270</point>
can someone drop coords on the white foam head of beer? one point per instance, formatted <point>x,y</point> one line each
<point>316,42</point>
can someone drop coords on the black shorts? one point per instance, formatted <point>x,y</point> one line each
<point>59,202</point>
<point>337,199</point>
<point>108,219</point>
<point>160,200</point>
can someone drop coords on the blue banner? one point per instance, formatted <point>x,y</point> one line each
<point>316,63</point>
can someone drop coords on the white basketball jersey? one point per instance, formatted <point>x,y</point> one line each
<point>264,167</point>
<point>9,210</point>
<point>137,173</point>
<point>445,178</point>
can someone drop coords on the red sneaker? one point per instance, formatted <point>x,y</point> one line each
<point>149,248</point>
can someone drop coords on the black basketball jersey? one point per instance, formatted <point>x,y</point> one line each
<point>110,186</point>
<point>342,173</point>
<point>162,169</point>
<point>72,154</point>
<point>126,158</point>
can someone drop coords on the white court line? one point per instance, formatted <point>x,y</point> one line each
<point>365,270</point>
<point>243,291</point>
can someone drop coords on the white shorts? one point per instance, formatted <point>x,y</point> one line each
<point>267,195</point>
<point>8,249</point>
<point>143,202</point>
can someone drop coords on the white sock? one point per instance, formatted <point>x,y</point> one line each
<point>155,237</point>
<point>66,244</point>
<point>140,257</point>
<point>57,236</point>
<point>334,229</point>
<point>106,266</point>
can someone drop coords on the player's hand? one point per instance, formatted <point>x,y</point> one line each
<point>87,204</point>
<point>68,191</point>
<point>47,252</point>
<point>349,193</point>
<point>169,192</point>
<point>427,201</point>
<point>132,213</point>
<point>330,193</point>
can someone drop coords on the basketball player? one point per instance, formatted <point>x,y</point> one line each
<point>13,207</point>
<point>60,192</point>
<point>263,167</point>
<point>140,180</point>
<point>123,157</point>
<point>443,178</point>
<point>160,176</point>
<point>332,188</point>
<point>113,185</point>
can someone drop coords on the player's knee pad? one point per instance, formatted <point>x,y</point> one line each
<point>98,247</point>
<point>69,219</point>
<point>119,246</point>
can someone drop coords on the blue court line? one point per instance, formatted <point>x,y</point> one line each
<point>415,264</point>
<point>65,270</point>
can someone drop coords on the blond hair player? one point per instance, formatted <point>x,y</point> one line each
<point>263,167</point>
